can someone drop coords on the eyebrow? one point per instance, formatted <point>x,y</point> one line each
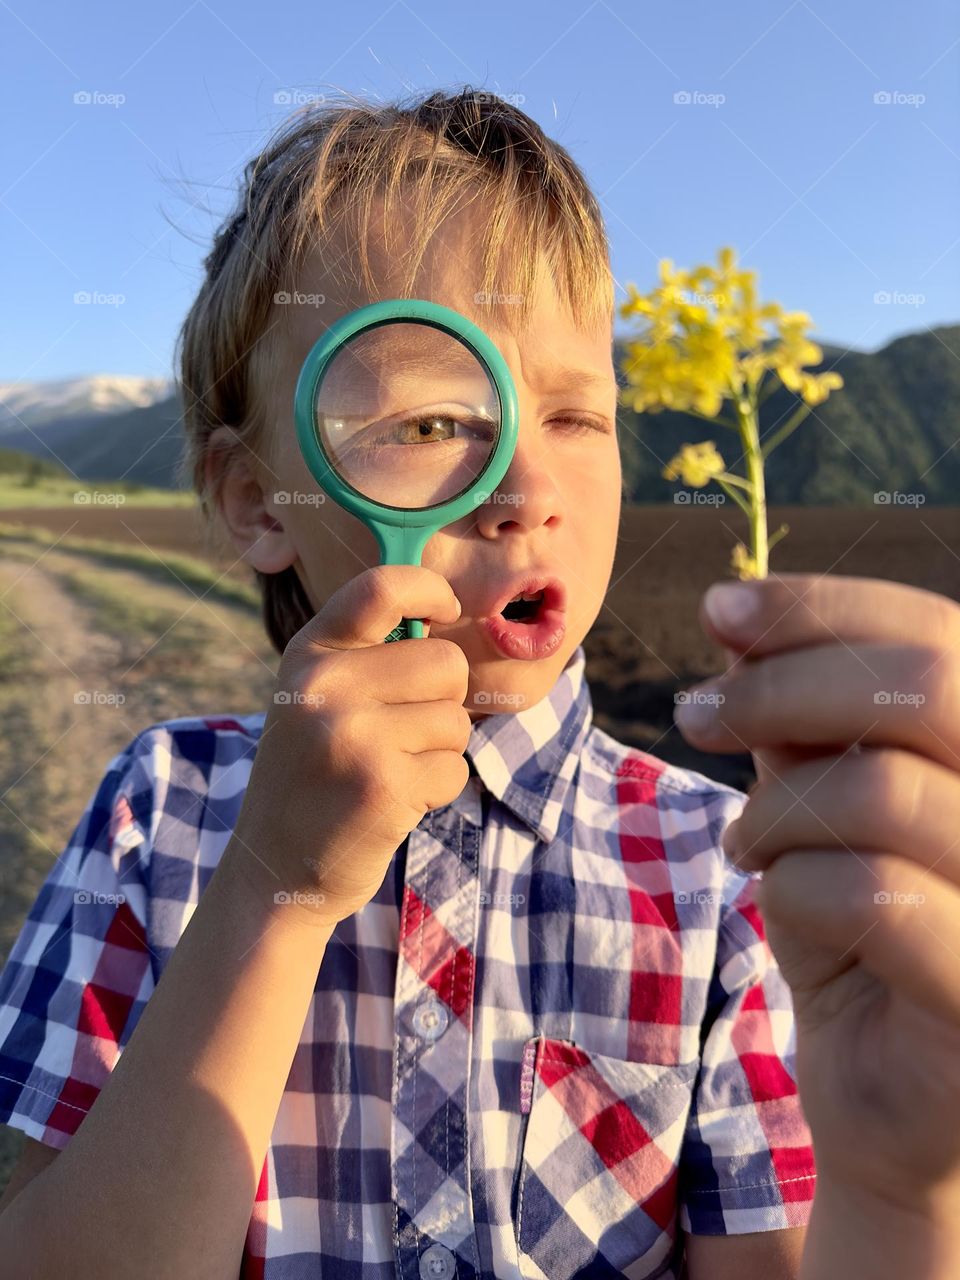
<point>567,380</point>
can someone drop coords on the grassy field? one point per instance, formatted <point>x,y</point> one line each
<point>54,491</point>
<point>124,600</point>
<point>166,631</point>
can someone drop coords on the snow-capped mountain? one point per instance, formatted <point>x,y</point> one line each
<point>30,404</point>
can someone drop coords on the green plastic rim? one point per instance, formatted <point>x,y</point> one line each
<point>402,532</point>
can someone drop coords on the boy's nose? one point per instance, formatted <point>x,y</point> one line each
<point>526,498</point>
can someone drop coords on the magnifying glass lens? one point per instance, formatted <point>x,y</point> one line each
<point>407,414</point>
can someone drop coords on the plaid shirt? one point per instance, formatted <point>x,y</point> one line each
<point>555,1040</point>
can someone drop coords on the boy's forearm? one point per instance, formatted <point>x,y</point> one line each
<point>163,1172</point>
<point>855,1234</point>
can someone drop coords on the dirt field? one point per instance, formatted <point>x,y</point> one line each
<point>77,621</point>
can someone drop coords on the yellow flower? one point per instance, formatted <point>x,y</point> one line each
<point>743,563</point>
<point>695,464</point>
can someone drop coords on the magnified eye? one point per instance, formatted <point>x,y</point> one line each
<point>431,427</point>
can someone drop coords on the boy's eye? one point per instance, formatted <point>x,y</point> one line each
<point>582,425</point>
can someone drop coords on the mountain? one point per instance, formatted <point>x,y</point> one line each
<point>140,446</point>
<point>30,404</point>
<point>893,427</point>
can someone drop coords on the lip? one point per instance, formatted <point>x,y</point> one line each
<point>528,641</point>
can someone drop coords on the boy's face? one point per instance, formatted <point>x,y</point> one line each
<point>557,509</point>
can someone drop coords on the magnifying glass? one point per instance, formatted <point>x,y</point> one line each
<point>406,415</point>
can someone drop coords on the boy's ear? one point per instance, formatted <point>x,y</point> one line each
<point>247,509</point>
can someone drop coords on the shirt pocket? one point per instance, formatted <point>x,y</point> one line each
<point>596,1183</point>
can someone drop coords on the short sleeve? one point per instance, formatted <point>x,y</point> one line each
<point>79,973</point>
<point>747,1161</point>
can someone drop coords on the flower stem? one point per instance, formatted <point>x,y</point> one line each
<point>746,409</point>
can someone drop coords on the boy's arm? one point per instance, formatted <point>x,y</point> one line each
<point>757,1256</point>
<point>165,1166</point>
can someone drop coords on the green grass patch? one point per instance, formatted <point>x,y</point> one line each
<point>34,489</point>
<point>163,566</point>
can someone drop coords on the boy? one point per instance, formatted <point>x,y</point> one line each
<point>550,1039</point>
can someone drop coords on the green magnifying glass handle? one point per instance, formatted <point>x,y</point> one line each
<point>409,629</point>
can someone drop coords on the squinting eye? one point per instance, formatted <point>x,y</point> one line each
<point>583,425</point>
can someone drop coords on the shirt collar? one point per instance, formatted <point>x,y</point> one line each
<point>528,758</point>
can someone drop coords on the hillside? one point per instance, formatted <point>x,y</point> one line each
<point>894,426</point>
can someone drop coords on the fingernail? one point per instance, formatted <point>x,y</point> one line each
<point>696,708</point>
<point>728,841</point>
<point>732,606</point>
<point>459,606</point>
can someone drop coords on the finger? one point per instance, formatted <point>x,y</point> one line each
<point>881,799</point>
<point>870,693</point>
<point>877,910</point>
<point>367,608</point>
<point>790,610</point>
<point>431,726</point>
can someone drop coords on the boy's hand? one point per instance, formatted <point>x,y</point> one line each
<point>362,739</point>
<point>860,849</point>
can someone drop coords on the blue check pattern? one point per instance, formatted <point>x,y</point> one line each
<point>554,1042</point>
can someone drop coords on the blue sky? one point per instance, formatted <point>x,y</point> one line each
<point>781,150</point>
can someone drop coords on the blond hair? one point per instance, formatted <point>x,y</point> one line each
<point>354,160</point>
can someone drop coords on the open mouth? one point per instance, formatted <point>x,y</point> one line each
<point>524,608</point>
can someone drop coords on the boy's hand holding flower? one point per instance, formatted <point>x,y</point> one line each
<point>847,692</point>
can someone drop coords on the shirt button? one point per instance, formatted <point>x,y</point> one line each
<point>437,1263</point>
<point>430,1021</point>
